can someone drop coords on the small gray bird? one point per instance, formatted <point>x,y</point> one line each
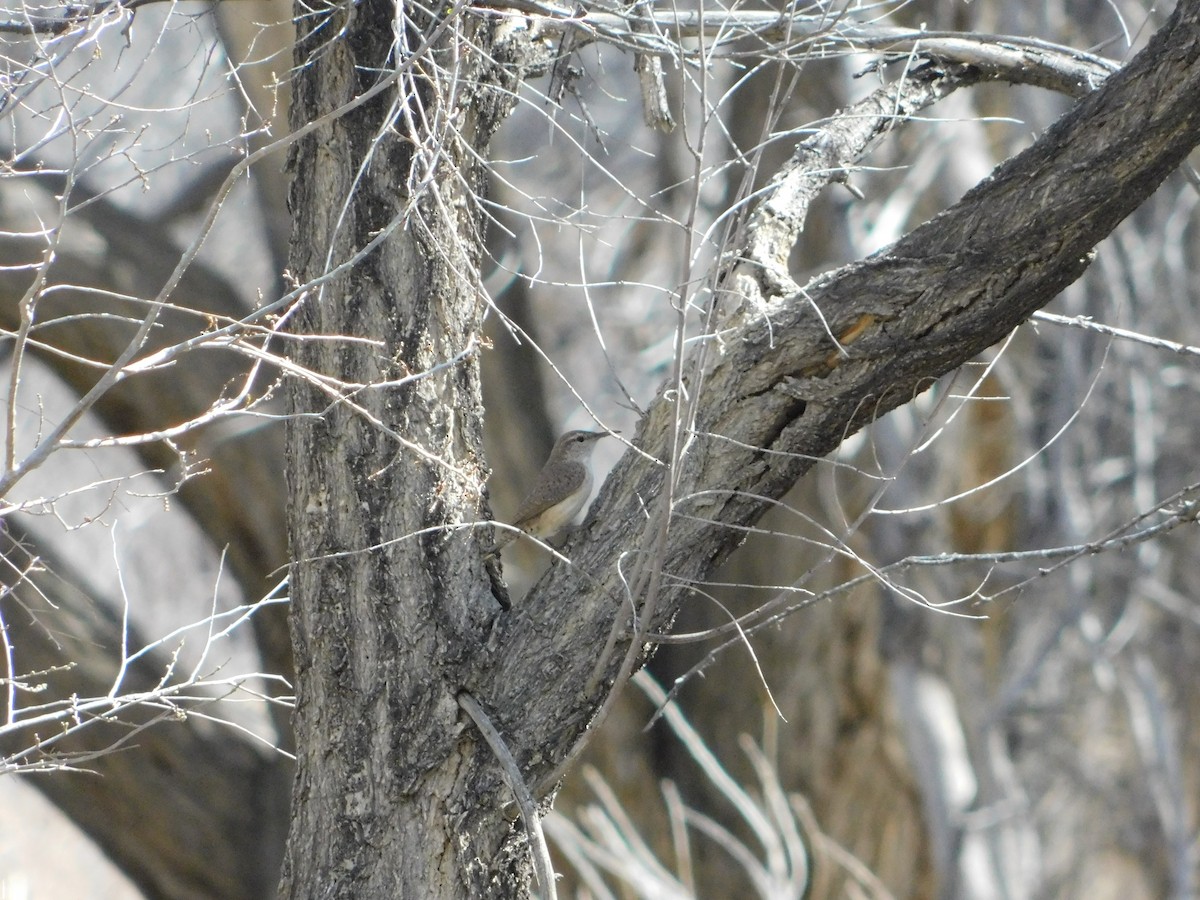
<point>561,490</point>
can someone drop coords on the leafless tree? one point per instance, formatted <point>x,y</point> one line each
<point>959,633</point>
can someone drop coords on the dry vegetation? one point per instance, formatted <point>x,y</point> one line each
<point>966,640</point>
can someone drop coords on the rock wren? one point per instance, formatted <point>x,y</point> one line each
<point>561,489</point>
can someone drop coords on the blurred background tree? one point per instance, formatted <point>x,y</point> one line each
<point>984,688</point>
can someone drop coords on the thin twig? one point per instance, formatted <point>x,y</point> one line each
<point>520,792</point>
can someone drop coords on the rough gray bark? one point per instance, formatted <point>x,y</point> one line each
<point>393,610</point>
<point>783,394</point>
<point>382,623</point>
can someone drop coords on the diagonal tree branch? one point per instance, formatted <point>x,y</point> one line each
<point>780,392</point>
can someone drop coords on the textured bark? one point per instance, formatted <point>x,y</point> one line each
<point>387,799</point>
<point>787,395</point>
<point>393,611</point>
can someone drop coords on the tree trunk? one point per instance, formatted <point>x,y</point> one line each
<point>393,606</point>
<point>389,598</point>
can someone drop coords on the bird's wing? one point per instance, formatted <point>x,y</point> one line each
<point>548,491</point>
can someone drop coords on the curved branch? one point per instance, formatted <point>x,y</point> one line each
<point>663,32</point>
<point>512,776</point>
<point>801,371</point>
<point>88,285</point>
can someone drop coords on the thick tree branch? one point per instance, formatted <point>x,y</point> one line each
<point>669,33</point>
<point>783,393</point>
